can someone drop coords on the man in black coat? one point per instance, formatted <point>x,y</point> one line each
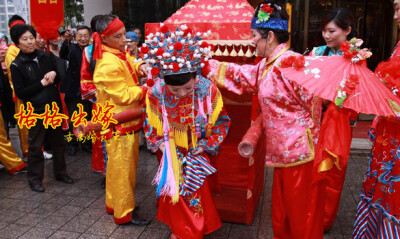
<point>71,86</point>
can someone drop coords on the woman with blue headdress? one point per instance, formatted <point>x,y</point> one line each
<point>291,118</point>
<point>186,122</point>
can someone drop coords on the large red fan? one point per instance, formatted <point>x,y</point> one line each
<point>325,76</point>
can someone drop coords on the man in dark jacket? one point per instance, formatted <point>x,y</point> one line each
<point>35,81</point>
<point>72,52</point>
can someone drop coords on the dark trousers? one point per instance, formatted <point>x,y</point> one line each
<point>72,106</point>
<point>36,138</point>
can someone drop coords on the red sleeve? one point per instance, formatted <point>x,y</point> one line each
<point>88,89</point>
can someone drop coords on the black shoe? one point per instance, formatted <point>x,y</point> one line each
<point>37,187</point>
<point>72,150</point>
<point>103,183</point>
<point>136,220</point>
<point>65,179</point>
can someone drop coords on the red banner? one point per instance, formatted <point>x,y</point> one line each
<point>45,11</point>
<point>47,16</point>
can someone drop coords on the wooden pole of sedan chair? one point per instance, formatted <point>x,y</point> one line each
<point>289,11</point>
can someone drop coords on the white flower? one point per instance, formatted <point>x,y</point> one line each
<point>144,44</point>
<point>171,48</point>
<point>343,83</point>
<point>184,27</point>
<point>315,71</point>
<point>157,34</point>
<point>191,42</point>
<point>198,34</point>
<point>341,94</point>
<point>355,59</point>
<point>161,44</point>
<point>171,67</point>
<point>165,67</point>
<point>306,64</point>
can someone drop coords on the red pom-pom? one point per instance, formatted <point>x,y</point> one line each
<point>164,29</point>
<point>178,46</point>
<point>155,71</point>
<point>187,31</point>
<point>204,44</point>
<point>212,47</point>
<point>150,82</point>
<point>205,71</point>
<point>144,49</point>
<point>160,51</point>
<point>175,67</point>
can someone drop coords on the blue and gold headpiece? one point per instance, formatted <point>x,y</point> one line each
<point>264,20</point>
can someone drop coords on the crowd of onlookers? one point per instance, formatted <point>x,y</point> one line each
<point>65,57</point>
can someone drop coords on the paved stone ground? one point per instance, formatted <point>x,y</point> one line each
<point>78,211</point>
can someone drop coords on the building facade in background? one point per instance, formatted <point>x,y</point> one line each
<point>11,7</point>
